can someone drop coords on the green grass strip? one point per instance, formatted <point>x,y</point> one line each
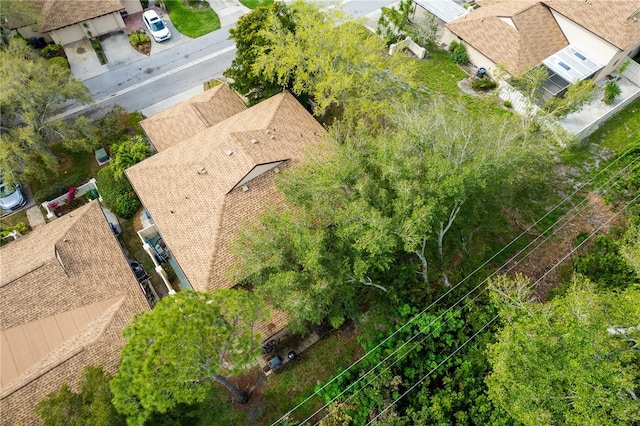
<point>192,23</point>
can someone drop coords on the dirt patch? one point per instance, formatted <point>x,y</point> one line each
<point>591,215</point>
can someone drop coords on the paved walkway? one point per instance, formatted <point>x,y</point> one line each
<point>35,217</point>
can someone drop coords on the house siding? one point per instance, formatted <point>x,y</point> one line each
<point>597,48</point>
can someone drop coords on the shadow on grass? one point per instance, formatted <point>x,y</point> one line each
<point>192,22</point>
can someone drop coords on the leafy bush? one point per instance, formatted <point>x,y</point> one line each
<point>138,37</point>
<point>603,264</point>
<point>116,125</point>
<point>458,53</point>
<point>507,104</point>
<point>59,61</point>
<point>483,84</point>
<point>117,195</point>
<point>611,92</point>
<point>57,188</point>
<point>21,227</point>
<point>127,153</point>
<point>127,205</point>
<point>50,50</point>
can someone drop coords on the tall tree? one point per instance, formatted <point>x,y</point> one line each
<point>33,90</point>
<point>368,203</point>
<point>573,360</point>
<point>91,405</point>
<point>333,60</point>
<point>127,153</point>
<point>250,43</point>
<point>174,352</point>
<point>15,14</point>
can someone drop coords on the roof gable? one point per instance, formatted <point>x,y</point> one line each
<point>189,188</point>
<point>88,302</point>
<point>516,34</point>
<point>188,118</point>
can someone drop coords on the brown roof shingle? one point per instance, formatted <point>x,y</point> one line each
<point>516,34</point>
<point>188,118</point>
<point>616,21</point>
<point>191,189</point>
<point>61,13</point>
<point>60,312</point>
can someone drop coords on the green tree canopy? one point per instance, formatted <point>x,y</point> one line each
<point>128,153</point>
<point>369,202</point>
<point>573,360</point>
<point>250,43</point>
<point>33,90</point>
<point>15,14</point>
<point>91,405</point>
<point>331,59</point>
<point>187,341</point>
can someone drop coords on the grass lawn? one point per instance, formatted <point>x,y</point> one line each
<point>192,22</point>
<point>76,168</point>
<point>437,74</point>
<point>297,380</point>
<point>13,219</point>
<point>283,390</point>
<point>252,4</point>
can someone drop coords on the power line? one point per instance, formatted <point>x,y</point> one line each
<point>495,317</point>
<point>411,320</point>
<point>547,237</point>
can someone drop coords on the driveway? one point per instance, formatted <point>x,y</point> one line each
<point>84,61</point>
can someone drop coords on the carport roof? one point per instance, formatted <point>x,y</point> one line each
<point>62,13</point>
<point>572,64</point>
<point>447,10</point>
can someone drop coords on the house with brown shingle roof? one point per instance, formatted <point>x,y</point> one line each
<point>67,21</point>
<point>66,293</point>
<point>521,34</point>
<point>201,191</point>
<point>188,118</point>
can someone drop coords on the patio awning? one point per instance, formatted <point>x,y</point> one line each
<point>447,10</point>
<point>571,64</point>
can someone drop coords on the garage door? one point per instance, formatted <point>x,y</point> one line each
<point>69,34</point>
<point>105,24</point>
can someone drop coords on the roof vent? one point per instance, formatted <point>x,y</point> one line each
<point>202,171</point>
<point>254,141</point>
<point>268,131</point>
<point>273,137</point>
<point>276,170</point>
<point>245,188</point>
<point>229,152</point>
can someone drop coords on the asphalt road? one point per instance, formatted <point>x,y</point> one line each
<point>168,73</point>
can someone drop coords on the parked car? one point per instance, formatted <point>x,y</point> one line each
<point>156,26</point>
<point>11,197</point>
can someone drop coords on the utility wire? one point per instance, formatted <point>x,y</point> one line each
<point>498,270</point>
<point>495,317</point>
<point>411,320</point>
